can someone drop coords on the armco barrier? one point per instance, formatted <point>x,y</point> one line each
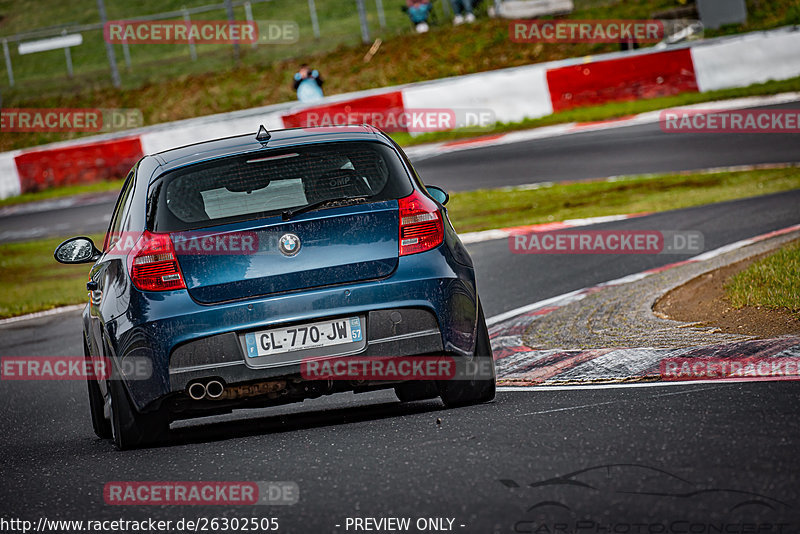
<point>632,78</point>
<point>512,94</point>
<point>41,169</point>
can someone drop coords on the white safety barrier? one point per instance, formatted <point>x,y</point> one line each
<point>747,59</point>
<point>9,177</point>
<point>512,94</point>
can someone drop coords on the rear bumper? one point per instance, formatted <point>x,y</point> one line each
<point>187,341</point>
<point>390,332</point>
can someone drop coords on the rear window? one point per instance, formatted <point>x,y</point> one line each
<point>265,184</point>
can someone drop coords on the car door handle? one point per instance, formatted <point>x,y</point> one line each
<point>91,285</point>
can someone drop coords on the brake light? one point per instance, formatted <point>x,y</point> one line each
<point>153,265</point>
<point>421,225</point>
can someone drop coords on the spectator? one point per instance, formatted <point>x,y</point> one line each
<point>463,11</point>
<point>308,84</point>
<point>418,11</point>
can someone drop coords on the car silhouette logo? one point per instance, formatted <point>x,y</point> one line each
<point>289,244</point>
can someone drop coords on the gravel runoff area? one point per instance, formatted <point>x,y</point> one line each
<point>622,315</point>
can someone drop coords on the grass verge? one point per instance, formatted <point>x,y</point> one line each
<point>771,282</point>
<point>31,280</point>
<point>498,208</point>
<point>68,191</point>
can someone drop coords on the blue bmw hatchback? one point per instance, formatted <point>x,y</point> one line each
<point>230,264</point>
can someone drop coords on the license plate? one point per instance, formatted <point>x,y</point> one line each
<point>304,336</point>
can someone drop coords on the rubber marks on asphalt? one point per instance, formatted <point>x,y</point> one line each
<point>519,367</point>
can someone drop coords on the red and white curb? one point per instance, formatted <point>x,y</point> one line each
<point>520,365</point>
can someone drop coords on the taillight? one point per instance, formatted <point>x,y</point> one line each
<point>153,265</point>
<point>421,225</point>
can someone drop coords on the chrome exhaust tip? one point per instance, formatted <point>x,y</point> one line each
<point>197,391</point>
<point>214,389</point>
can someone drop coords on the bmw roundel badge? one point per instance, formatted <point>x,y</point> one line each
<point>289,244</point>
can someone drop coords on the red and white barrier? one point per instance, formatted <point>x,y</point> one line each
<point>511,94</point>
<point>635,77</point>
<point>77,164</point>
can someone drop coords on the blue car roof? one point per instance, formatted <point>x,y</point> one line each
<point>246,144</point>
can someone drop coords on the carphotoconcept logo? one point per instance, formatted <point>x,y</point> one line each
<point>607,242</point>
<point>201,32</point>
<point>731,121</point>
<point>69,119</point>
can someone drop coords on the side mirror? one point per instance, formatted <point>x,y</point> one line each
<point>76,250</point>
<point>438,194</point>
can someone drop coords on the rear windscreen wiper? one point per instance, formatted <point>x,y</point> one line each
<point>288,214</point>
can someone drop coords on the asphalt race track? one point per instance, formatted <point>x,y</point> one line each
<point>662,456</point>
<point>613,152</point>
<point>619,151</point>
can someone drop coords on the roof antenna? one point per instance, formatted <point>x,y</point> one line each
<point>263,135</point>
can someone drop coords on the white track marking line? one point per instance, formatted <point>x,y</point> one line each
<point>530,307</point>
<point>543,388</point>
<point>615,401</point>
<point>46,313</point>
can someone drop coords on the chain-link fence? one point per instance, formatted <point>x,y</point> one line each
<point>76,54</point>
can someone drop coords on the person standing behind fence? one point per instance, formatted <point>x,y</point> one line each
<point>463,11</point>
<point>308,84</point>
<point>418,11</point>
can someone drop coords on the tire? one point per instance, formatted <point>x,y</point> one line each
<point>481,385</point>
<point>416,391</point>
<point>130,428</point>
<point>100,425</point>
